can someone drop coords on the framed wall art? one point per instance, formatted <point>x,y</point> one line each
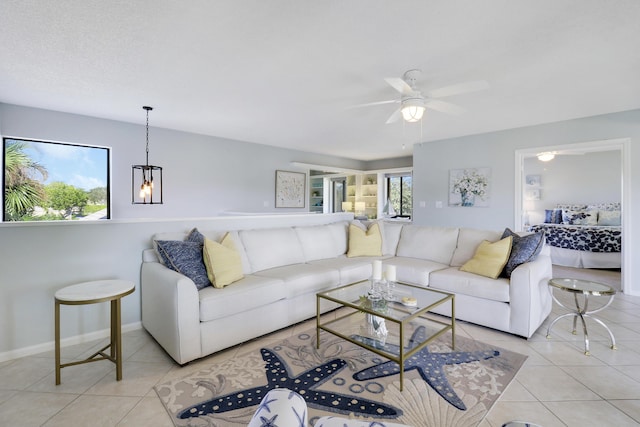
<point>290,189</point>
<point>469,187</point>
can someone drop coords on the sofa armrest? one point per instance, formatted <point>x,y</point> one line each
<point>171,311</point>
<point>529,296</point>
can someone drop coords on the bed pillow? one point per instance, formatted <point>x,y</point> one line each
<point>580,217</point>
<point>185,258</point>
<point>523,249</point>
<point>553,216</point>
<point>611,218</point>
<point>490,258</point>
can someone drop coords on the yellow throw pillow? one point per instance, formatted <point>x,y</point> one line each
<point>223,262</point>
<point>490,258</point>
<point>364,243</point>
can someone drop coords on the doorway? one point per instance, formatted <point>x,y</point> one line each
<point>623,145</point>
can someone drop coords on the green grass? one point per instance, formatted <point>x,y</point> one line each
<point>89,209</point>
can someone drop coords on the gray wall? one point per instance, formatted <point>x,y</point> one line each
<point>207,175</point>
<point>586,179</point>
<point>433,160</point>
<point>202,175</point>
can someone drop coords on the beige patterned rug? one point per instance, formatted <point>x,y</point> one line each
<point>441,387</point>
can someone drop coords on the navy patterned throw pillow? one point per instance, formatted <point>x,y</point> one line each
<point>195,236</point>
<point>523,249</point>
<point>185,258</point>
<point>553,216</point>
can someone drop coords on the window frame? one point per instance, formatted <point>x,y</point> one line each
<point>402,176</point>
<point>107,165</point>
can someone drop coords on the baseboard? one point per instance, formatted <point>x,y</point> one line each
<point>78,339</point>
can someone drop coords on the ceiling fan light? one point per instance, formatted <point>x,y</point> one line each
<point>412,113</point>
<point>545,157</point>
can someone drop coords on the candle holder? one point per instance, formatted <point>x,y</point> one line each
<point>376,288</point>
<point>389,288</point>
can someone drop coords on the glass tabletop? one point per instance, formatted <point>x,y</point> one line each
<point>355,296</point>
<point>582,286</point>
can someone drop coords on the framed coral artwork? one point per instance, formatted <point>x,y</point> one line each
<point>290,189</point>
<point>469,187</point>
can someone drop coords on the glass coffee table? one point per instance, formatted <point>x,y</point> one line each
<point>387,327</point>
<point>586,288</point>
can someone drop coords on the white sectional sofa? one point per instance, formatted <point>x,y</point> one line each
<point>285,266</point>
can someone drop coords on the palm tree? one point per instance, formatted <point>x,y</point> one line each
<point>22,193</point>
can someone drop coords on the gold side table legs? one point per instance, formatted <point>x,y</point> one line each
<point>92,293</point>
<point>114,346</point>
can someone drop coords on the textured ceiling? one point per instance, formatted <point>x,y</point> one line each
<point>285,73</point>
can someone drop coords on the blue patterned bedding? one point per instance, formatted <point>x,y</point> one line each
<point>591,238</point>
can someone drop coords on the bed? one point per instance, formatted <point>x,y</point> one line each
<point>583,236</point>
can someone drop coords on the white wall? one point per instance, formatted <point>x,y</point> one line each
<point>433,160</point>
<point>586,179</point>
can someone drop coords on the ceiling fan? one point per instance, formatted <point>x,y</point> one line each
<point>413,102</point>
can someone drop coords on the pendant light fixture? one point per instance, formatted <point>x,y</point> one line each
<point>146,180</point>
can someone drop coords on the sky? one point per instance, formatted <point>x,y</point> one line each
<point>81,166</point>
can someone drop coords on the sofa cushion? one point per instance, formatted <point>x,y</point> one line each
<point>390,236</point>
<point>323,241</point>
<point>460,282</point>
<point>523,249</point>
<point>351,269</point>
<point>302,279</point>
<point>364,242</point>
<point>490,258</point>
<point>414,270</point>
<point>245,294</point>
<point>468,241</point>
<point>271,247</point>
<point>222,261</point>
<point>185,258</point>
<point>431,243</point>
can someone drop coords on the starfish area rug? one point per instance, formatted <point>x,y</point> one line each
<point>442,387</point>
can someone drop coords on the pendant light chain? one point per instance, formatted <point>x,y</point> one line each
<point>148,109</point>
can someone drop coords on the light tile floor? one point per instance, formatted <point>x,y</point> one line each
<point>557,386</point>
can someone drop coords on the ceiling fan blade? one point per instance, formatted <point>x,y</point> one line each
<point>369,104</point>
<point>399,85</point>
<point>459,88</point>
<point>444,107</point>
<point>394,117</point>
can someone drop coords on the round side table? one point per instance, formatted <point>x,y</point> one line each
<point>92,293</point>
<point>585,288</point>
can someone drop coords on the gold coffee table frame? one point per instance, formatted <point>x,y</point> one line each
<point>93,293</point>
<point>402,316</point>
<point>586,288</point>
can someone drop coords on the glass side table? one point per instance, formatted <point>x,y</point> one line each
<point>585,288</point>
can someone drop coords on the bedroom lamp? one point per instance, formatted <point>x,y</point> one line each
<point>546,156</point>
<point>412,109</point>
<point>144,186</point>
<point>360,206</point>
<point>347,206</point>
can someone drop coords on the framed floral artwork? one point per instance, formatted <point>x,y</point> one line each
<point>469,187</point>
<point>290,189</point>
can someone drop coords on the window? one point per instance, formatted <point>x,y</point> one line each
<point>51,181</point>
<point>399,196</point>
